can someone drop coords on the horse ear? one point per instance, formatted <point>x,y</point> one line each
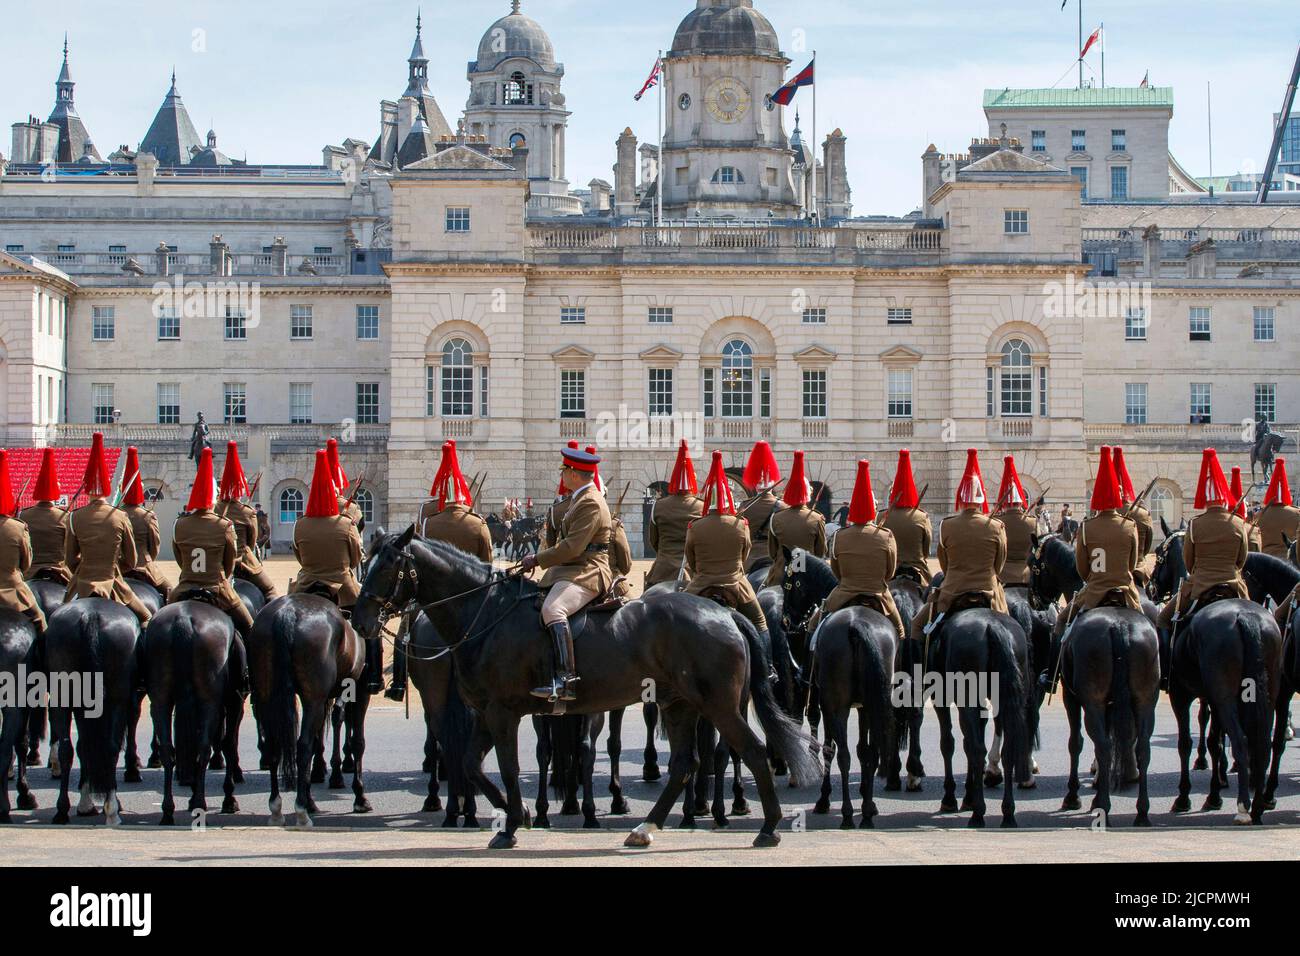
<point>787,555</point>
<point>406,537</point>
<point>1164,526</point>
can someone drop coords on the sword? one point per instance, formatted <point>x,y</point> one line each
<point>751,504</point>
<point>252,491</point>
<point>618,509</point>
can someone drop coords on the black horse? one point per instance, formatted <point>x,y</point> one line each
<point>1289,683</point>
<point>18,664</point>
<point>698,656</point>
<point>187,649</point>
<point>49,597</point>
<point>1037,624</point>
<point>95,641</point>
<point>909,597</point>
<point>302,649</point>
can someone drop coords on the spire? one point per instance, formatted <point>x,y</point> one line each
<point>72,131</point>
<point>417,82</point>
<point>172,137</point>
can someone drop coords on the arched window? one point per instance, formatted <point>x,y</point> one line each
<point>457,379</point>
<point>728,175</point>
<point>1017,378</point>
<point>291,505</point>
<point>366,502</point>
<point>518,140</point>
<point>737,379</point>
<point>1162,506</point>
<point>518,91</point>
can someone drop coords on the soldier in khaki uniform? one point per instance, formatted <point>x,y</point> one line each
<point>100,544</point>
<point>1279,522</point>
<point>206,549</point>
<point>577,565</point>
<point>47,525</point>
<point>234,508</point>
<point>761,474</point>
<point>620,558</point>
<point>348,507</point>
<point>798,525</point>
<point>15,556</point>
<point>669,519</point>
<point>909,525</point>
<point>1141,517</point>
<point>1253,539</point>
<point>144,528</point>
<point>1013,512</point>
<point>972,551</point>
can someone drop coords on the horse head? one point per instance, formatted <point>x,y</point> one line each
<point>1170,568</point>
<point>806,582</point>
<point>388,584</point>
<point>1052,574</point>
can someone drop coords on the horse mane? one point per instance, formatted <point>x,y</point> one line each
<point>818,570</point>
<point>1268,564</point>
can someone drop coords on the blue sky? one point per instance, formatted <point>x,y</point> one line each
<point>279,80</point>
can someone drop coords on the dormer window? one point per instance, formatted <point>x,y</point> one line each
<point>518,91</point>
<point>728,176</point>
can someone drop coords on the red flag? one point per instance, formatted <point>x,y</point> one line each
<point>1096,35</point>
<point>652,81</point>
<point>806,77</point>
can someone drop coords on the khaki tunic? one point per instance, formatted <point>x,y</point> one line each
<point>580,553</point>
<point>47,525</point>
<point>207,549</point>
<point>1021,528</point>
<point>15,560</point>
<point>1118,540</point>
<point>459,527</point>
<point>620,559</point>
<point>1278,524</point>
<point>328,549</point>
<point>669,520</point>
<point>802,527</point>
<point>148,541</point>
<point>1146,529</point>
<point>352,511</point>
<point>972,552</point>
<point>554,518</point>
<point>912,535</point>
<point>758,511</point>
<point>247,565</point>
<point>717,547</point>
<point>100,546</point>
<point>1215,552</point>
<point>865,559</point>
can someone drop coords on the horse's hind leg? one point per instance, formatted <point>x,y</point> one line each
<point>1218,775</point>
<point>972,733</point>
<point>1231,729</point>
<point>36,724</point>
<point>1182,707</point>
<point>131,764</point>
<point>650,762</point>
<point>337,764</point>
<point>587,767</point>
<point>356,725</point>
<point>869,750</point>
<point>614,745</point>
<point>310,735</point>
<point>160,714</point>
<point>234,708</point>
<point>207,729</point>
<point>837,730</point>
<point>26,799</point>
<point>1145,714</point>
<point>721,761</point>
<point>1094,720</point>
<point>947,746</point>
<point>680,723</point>
<point>739,806</point>
<point>740,736</point>
<point>1074,715</point>
<point>545,751</point>
<point>695,798</point>
<point>61,731</point>
<point>1203,719</point>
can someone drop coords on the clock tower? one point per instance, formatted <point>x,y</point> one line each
<point>725,153</point>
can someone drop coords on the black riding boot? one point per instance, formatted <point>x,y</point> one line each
<point>561,687</point>
<point>239,665</point>
<point>397,689</point>
<point>1047,677</point>
<point>374,666</point>
<point>1167,655</point>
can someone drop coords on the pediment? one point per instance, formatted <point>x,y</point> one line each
<point>900,353</point>
<point>573,353</point>
<point>815,354</point>
<point>458,157</point>
<point>661,353</point>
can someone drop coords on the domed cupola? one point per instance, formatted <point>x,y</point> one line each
<point>513,36</point>
<point>726,26</point>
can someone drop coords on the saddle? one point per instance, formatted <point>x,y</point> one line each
<point>869,601</point>
<point>720,595</point>
<point>969,601</point>
<point>321,589</point>
<point>202,595</point>
<point>911,574</point>
<point>1115,597</point>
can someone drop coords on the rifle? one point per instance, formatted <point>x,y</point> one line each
<point>1038,503</point>
<point>356,490</point>
<point>23,492</point>
<point>751,504</point>
<point>1132,508</point>
<point>252,491</point>
<point>618,508</point>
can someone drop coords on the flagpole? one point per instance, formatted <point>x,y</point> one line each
<point>659,200</point>
<point>816,204</point>
<point>1080,47</point>
<point>1103,54</point>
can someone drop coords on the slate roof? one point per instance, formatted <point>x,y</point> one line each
<point>172,136</point>
<point>1156,97</point>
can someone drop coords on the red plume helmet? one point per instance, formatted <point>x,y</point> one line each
<point>47,480</point>
<point>904,493</point>
<point>340,477</point>
<point>8,504</point>
<point>450,485</point>
<point>716,489</point>
<point>1011,494</point>
<point>1238,493</point>
<point>862,510</point>
<point>1121,472</point>
<point>1279,488</point>
<point>134,496</point>
<point>761,471</point>
<point>798,492</point>
<point>204,490</point>
<point>323,501</point>
<point>683,480</point>
<point>98,483</point>
<point>233,483</point>
<point>970,492</point>
<point>1211,487</point>
<point>1106,493</point>
<point>595,472</point>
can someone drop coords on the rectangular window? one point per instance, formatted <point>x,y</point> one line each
<point>367,403</point>
<point>708,400</point>
<point>814,393</point>
<point>300,322</point>
<point>1135,325</point>
<point>300,405</point>
<point>1015,222</point>
<point>1079,140</point>
<point>1135,403</point>
<point>1198,324</point>
<point>573,393</point>
<point>430,390</point>
<point>483,391</point>
<point>103,321</point>
<point>1081,173</point>
<point>169,326</point>
<point>324,250</point>
<point>1200,406</point>
<point>660,315</point>
<point>989,408</point>
<point>659,397</point>
<point>367,323</point>
<point>457,391</point>
<point>13,247</point>
<point>236,403</point>
<point>1017,392</point>
<point>1038,140</point>
<point>814,316</point>
<point>573,316</point>
<point>458,219</point>
<point>169,403</point>
<point>1264,328</point>
<point>1118,141</point>
<point>1266,402</point>
<point>101,402</point>
<point>1105,263</point>
<point>236,325</point>
<point>900,393</point>
<point>1119,182</point>
<point>1042,392</point>
<point>899,316</point>
<point>765,393</point>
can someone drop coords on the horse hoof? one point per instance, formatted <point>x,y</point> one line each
<point>1071,803</point>
<point>154,763</point>
<point>591,823</point>
<point>779,769</point>
<point>504,841</point>
<point>572,810</point>
<point>619,808</point>
<point>449,822</point>
<point>740,809</point>
<point>431,805</point>
<point>848,824</point>
<point>361,805</point>
<point>893,786</point>
<point>976,823</point>
<point>688,823</point>
<point>543,822</point>
<point>168,820</point>
<point>1027,785</point>
<point>948,805</point>
<point>767,840</point>
<point>639,839</point>
<point>992,778</point>
<point>229,806</point>
<point>913,784</point>
<point>650,773</point>
<point>868,821</point>
<point>4,817</point>
<point>1200,764</point>
<point>1212,803</point>
<point>60,818</point>
<point>88,813</point>
<point>1242,819</point>
<point>1142,821</point>
<point>27,801</point>
<point>471,822</point>
<point>336,781</point>
<point>131,775</point>
<point>822,807</point>
<point>303,819</point>
<point>967,805</point>
<point>1269,804</point>
<point>721,823</point>
<point>1009,823</point>
<point>1181,805</point>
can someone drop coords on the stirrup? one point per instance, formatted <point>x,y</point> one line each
<point>551,693</point>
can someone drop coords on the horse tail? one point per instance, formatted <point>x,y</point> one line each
<point>1012,699</point>
<point>1257,716</point>
<point>186,721</point>
<point>1123,719</point>
<point>94,734</point>
<point>281,726</point>
<point>795,747</point>
<point>877,687</point>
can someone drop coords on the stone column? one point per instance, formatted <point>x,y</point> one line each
<point>625,175</point>
<point>279,257</point>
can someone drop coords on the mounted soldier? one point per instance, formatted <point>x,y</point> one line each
<point>670,518</point>
<point>47,525</point>
<point>972,552</point>
<point>1021,527</point>
<point>1253,539</point>
<point>15,556</point>
<point>1267,444</point>
<point>555,513</point>
<point>207,549</point>
<point>144,528</point>
<point>762,475</point>
<point>909,525</point>
<point>1146,565</point>
<point>798,525</point>
<point>864,557</point>
<point>577,565</point>
<point>100,544</point>
<point>348,507</point>
<point>199,438</point>
<point>234,507</point>
<point>1279,522</point>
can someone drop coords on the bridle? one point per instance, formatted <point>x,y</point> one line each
<point>1161,553</point>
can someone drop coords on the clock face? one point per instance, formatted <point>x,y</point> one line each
<point>727,99</point>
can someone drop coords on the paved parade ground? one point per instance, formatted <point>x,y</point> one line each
<point>909,829</point>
